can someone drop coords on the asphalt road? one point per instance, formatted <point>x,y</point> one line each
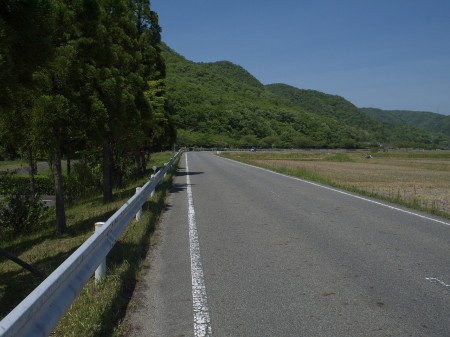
<point>283,257</point>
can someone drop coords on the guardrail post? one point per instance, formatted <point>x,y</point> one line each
<point>152,194</point>
<point>100,272</point>
<point>165,173</point>
<point>139,213</point>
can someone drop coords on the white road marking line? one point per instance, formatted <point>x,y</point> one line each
<point>345,193</point>
<point>202,320</point>
<point>438,281</point>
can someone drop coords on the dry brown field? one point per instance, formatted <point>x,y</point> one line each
<point>415,178</point>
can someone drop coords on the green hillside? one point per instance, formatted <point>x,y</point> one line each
<point>428,121</point>
<point>221,104</point>
<point>325,105</point>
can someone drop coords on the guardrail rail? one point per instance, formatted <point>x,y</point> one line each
<point>41,310</point>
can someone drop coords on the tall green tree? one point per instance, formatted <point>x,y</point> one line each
<point>82,75</point>
<point>25,44</point>
<point>54,111</point>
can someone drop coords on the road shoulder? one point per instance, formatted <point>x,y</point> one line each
<point>162,302</point>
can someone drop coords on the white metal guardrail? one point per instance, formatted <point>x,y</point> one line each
<point>41,310</point>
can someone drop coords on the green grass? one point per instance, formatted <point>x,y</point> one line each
<point>414,154</point>
<point>98,309</point>
<point>8,165</point>
<point>338,158</point>
<point>296,155</point>
<point>337,155</point>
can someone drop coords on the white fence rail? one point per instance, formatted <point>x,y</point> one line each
<point>41,310</point>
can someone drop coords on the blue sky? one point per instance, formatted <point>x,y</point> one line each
<point>388,54</point>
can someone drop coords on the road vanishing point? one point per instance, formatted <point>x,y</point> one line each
<point>242,251</point>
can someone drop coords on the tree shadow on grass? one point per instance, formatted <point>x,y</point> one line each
<point>86,225</point>
<point>132,254</point>
<point>27,242</point>
<point>17,284</point>
<point>128,193</point>
<point>78,228</point>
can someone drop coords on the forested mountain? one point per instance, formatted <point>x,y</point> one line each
<point>428,121</point>
<point>221,104</point>
<point>325,105</point>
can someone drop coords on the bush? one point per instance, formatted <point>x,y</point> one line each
<point>84,181</point>
<point>18,213</point>
<point>13,183</point>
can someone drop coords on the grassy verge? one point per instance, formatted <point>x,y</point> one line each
<point>99,309</point>
<point>287,163</point>
<point>9,165</point>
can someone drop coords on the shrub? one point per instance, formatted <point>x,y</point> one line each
<point>18,212</point>
<point>85,180</point>
<point>14,183</point>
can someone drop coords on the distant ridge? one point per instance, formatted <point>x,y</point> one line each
<point>428,121</point>
<point>324,104</point>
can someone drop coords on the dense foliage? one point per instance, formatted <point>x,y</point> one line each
<point>83,79</point>
<point>17,211</point>
<point>428,121</point>
<point>221,105</point>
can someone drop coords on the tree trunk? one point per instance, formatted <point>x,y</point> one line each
<point>59,190</point>
<point>143,163</point>
<point>68,163</point>
<point>31,173</point>
<point>138,164</point>
<point>107,178</point>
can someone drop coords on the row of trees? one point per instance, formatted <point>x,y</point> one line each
<point>82,77</point>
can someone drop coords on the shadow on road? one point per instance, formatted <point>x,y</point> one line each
<point>183,174</point>
<point>176,188</point>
